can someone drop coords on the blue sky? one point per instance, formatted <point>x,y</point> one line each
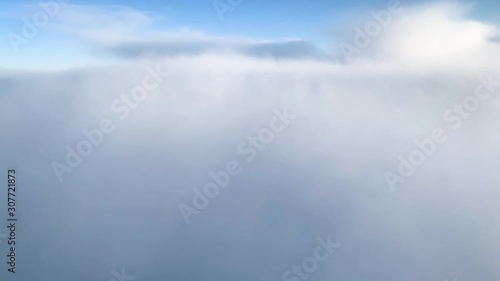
<point>317,22</point>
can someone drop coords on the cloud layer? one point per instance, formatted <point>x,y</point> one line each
<point>323,175</point>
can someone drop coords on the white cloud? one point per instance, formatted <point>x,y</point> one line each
<point>440,35</point>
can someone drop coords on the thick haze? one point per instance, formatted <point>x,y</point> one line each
<point>322,175</point>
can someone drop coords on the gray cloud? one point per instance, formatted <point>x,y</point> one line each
<point>291,49</point>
